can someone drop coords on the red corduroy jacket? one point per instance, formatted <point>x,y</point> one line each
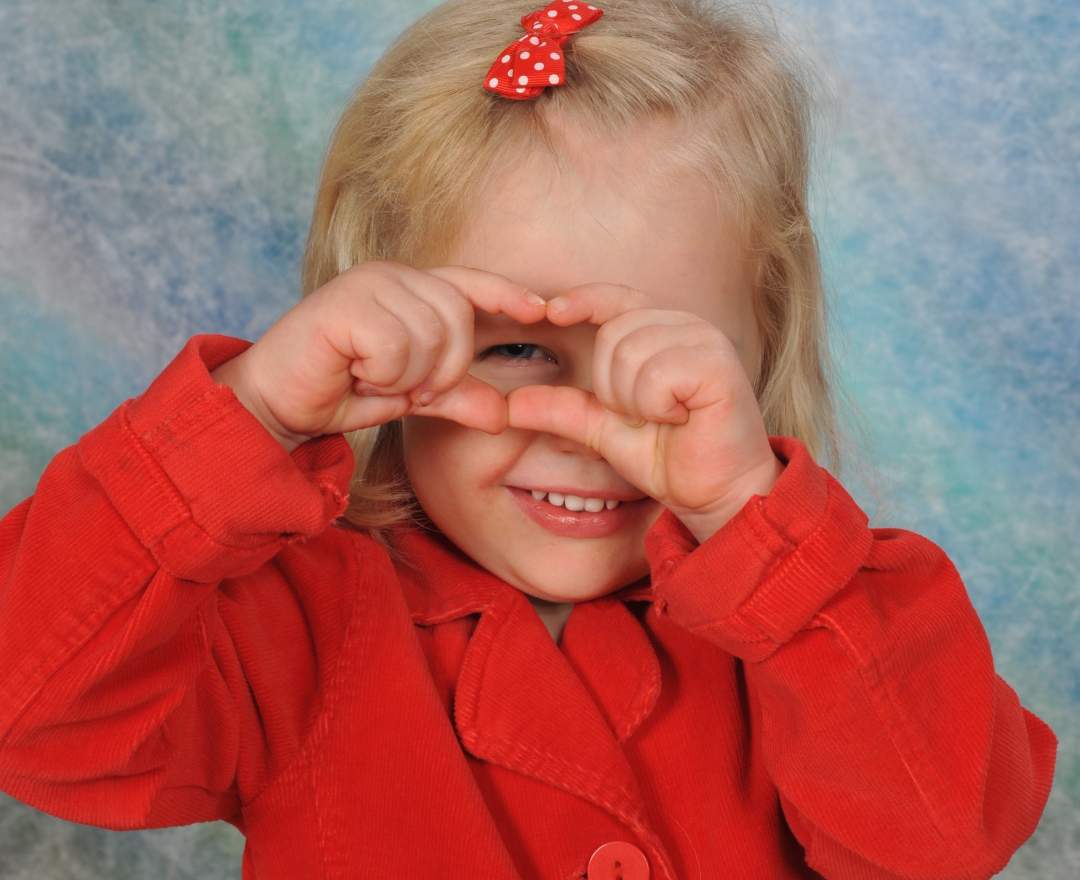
<point>187,635</point>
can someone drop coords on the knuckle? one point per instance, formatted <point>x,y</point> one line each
<point>362,271</point>
<point>652,372</point>
<point>459,303</point>
<point>442,285</point>
<point>394,345</point>
<point>706,331</point>
<point>377,265</point>
<point>630,347</point>
<point>451,297</point>
<point>358,282</point>
<point>623,356</point>
<point>430,342</point>
<point>627,293</point>
<point>607,333</point>
<point>433,333</point>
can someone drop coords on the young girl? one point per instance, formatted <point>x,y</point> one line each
<point>442,578</point>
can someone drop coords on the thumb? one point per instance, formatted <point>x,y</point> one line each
<point>558,409</point>
<point>472,403</point>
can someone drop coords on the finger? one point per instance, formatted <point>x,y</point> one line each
<point>361,411</point>
<point>562,410</point>
<point>634,350</point>
<point>350,333</point>
<point>428,335</point>
<point>570,412</point>
<point>379,350</point>
<point>676,381</point>
<point>471,403</point>
<point>456,319</point>
<point>495,294</point>
<point>596,303</point>
<point>616,357</point>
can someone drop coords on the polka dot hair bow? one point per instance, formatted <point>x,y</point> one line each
<point>535,61</point>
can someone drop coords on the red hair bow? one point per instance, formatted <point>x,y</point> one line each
<point>523,72</point>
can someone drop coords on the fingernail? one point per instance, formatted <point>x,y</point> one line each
<point>557,304</point>
<point>425,398</point>
<point>535,299</point>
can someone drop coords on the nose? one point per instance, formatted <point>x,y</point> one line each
<point>566,445</point>
<point>581,377</point>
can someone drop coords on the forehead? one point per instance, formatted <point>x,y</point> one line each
<point>609,212</point>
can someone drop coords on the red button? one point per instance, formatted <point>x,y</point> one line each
<point>618,860</point>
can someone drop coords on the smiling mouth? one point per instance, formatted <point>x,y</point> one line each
<point>560,520</point>
<point>610,499</point>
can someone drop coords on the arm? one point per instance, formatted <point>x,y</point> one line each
<point>896,749</point>
<point>139,586</point>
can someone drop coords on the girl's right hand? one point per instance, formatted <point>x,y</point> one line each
<point>359,351</point>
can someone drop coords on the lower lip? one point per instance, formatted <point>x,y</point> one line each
<point>577,524</point>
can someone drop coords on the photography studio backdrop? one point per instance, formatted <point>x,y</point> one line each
<point>157,170</point>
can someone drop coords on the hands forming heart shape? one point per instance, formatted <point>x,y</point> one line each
<point>672,410</point>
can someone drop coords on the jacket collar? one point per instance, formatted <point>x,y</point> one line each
<point>555,712</point>
<point>462,586</point>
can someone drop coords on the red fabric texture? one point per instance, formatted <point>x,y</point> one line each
<point>188,634</point>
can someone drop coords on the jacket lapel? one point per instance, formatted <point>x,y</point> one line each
<point>555,713</point>
<point>610,652</point>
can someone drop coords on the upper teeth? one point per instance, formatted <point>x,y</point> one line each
<point>576,502</point>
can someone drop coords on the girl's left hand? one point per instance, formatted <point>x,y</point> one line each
<point>672,409</point>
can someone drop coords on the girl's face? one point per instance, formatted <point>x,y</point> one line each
<point>608,219</point>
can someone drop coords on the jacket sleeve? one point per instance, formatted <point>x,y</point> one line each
<point>132,587</point>
<point>896,749</point>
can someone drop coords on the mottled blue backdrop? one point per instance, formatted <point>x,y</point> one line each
<point>157,169</point>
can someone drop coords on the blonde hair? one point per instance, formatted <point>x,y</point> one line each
<point>421,134</point>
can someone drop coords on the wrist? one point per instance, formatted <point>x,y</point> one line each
<point>231,373</point>
<point>704,524</point>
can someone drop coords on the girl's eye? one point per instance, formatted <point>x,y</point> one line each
<point>515,348</point>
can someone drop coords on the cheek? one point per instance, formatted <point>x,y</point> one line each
<point>441,455</point>
<point>426,443</point>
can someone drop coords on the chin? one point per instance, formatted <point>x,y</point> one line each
<point>560,600</point>
<point>568,589</point>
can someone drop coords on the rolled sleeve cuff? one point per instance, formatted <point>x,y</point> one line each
<point>201,482</point>
<point>763,575</point>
